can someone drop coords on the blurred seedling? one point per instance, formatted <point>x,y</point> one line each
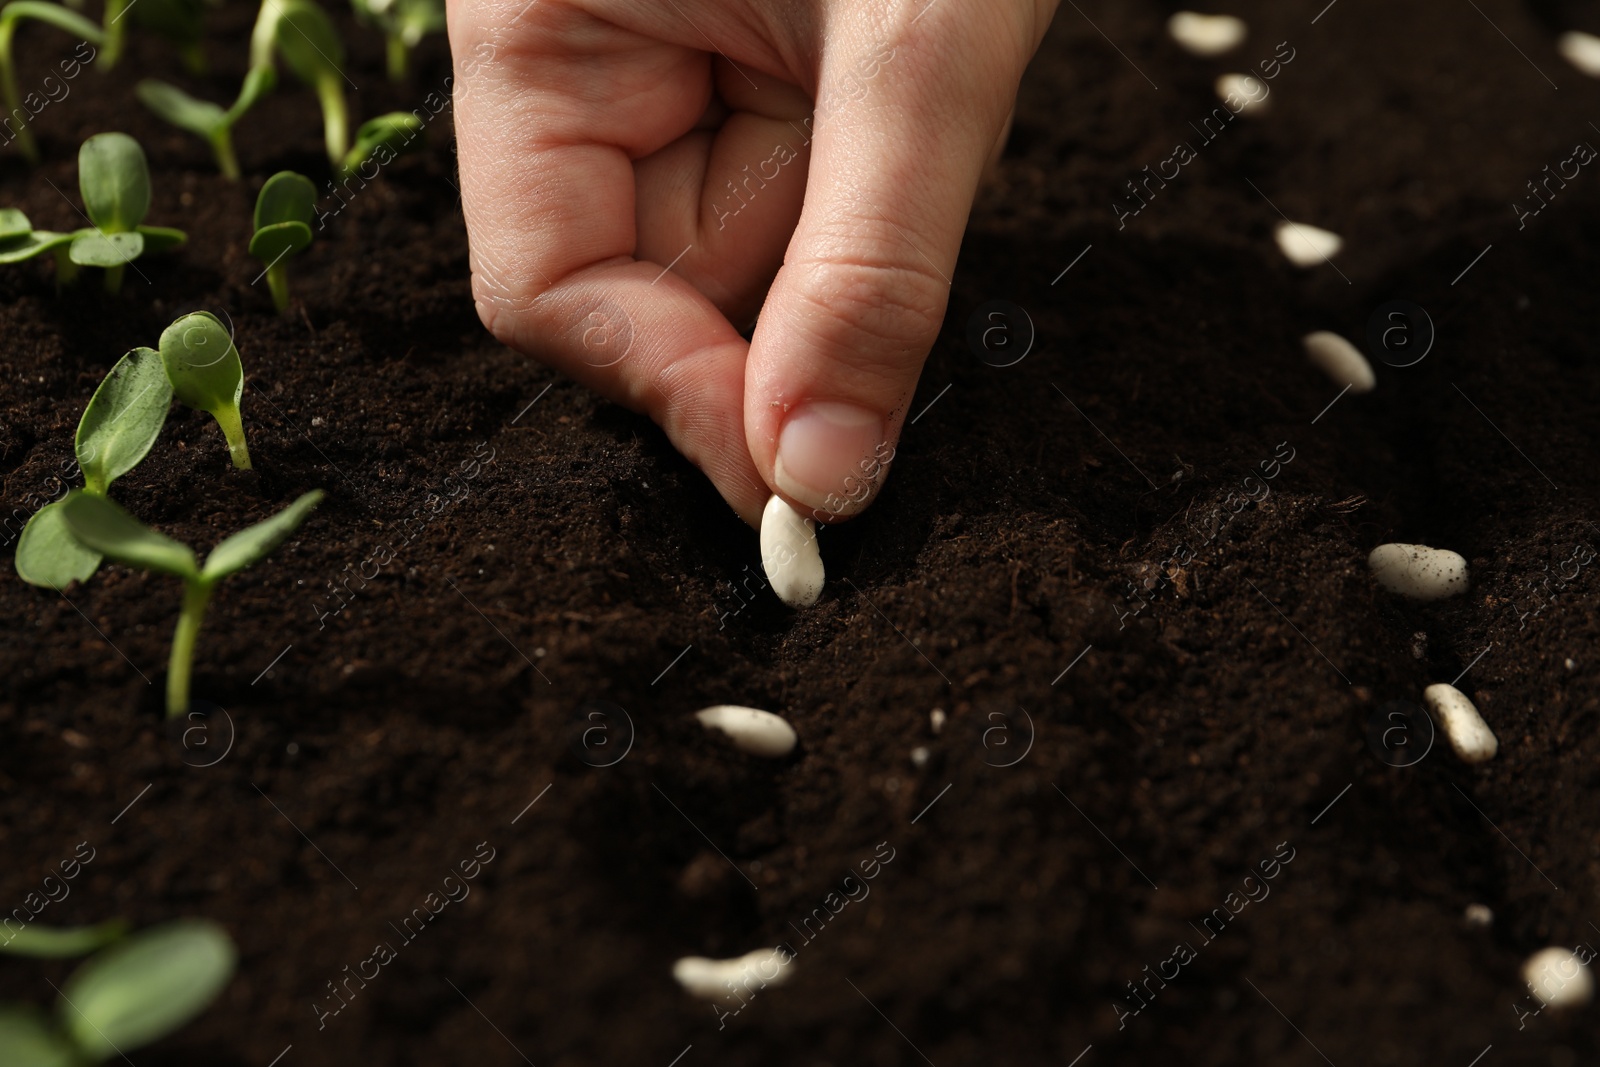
<point>204,119</point>
<point>103,527</point>
<point>117,429</point>
<point>283,228</point>
<point>203,366</point>
<point>11,15</point>
<point>404,23</point>
<point>137,990</point>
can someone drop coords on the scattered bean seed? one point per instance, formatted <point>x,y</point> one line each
<point>789,554</point>
<point>1478,915</point>
<point>1247,89</point>
<point>1582,50</point>
<point>1469,735</point>
<point>1559,978</point>
<point>1206,35</point>
<point>936,720</point>
<point>1340,360</point>
<point>1305,245</point>
<point>759,733</point>
<point>1419,572</point>
<point>711,979</point>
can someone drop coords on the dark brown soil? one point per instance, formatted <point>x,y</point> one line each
<point>1222,724</point>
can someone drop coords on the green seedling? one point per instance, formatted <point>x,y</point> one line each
<point>53,15</point>
<point>404,24</point>
<point>19,241</point>
<point>115,181</point>
<point>306,39</point>
<point>104,527</point>
<point>283,228</point>
<point>119,426</point>
<point>205,372</point>
<point>180,21</point>
<point>60,942</point>
<point>381,140</point>
<point>203,118</point>
<point>138,990</point>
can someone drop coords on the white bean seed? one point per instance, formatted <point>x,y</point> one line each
<point>1469,735</point>
<point>1582,50</point>
<point>789,554</point>
<point>1559,978</point>
<point>731,981</point>
<point>919,757</point>
<point>1305,245</point>
<point>936,720</point>
<point>1206,35</point>
<point>1247,90</point>
<point>1419,572</point>
<point>759,733</point>
<point>1478,915</point>
<point>1340,360</point>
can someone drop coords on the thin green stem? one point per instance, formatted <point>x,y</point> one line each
<point>397,52</point>
<point>278,282</point>
<point>196,595</point>
<point>114,278</point>
<point>232,424</point>
<point>335,120</point>
<point>66,270</point>
<point>222,147</point>
<point>116,32</point>
<point>13,99</point>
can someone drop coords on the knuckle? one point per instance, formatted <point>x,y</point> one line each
<point>875,309</point>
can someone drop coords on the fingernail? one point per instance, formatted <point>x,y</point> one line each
<point>828,456</point>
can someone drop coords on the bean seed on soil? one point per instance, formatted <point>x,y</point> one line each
<point>1419,572</point>
<point>1340,360</point>
<point>789,554</point>
<point>1478,916</point>
<point>1582,50</point>
<point>1206,35</point>
<point>1248,90</point>
<point>1305,245</point>
<point>1469,735</point>
<point>1559,978</point>
<point>720,980</point>
<point>759,733</point>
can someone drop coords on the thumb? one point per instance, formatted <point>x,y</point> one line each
<point>907,115</point>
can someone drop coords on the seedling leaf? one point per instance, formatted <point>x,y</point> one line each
<point>49,556</point>
<point>123,418</point>
<point>384,137</point>
<point>61,942</point>
<point>145,987</point>
<point>67,21</point>
<point>286,197</point>
<point>161,238</point>
<point>34,244</point>
<point>100,525</point>
<point>274,243</point>
<point>206,374</point>
<point>93,248</point>
<point>173,105</point>
<point>258,82</point>
<point>253,543</point>
<point>13,223</point>
<point>308,42</point>
<point>27,1040</point>
<point>115,181</point>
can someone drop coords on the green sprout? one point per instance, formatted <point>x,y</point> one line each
<point>382,139</point>
<point>119,426</point>
<point>306,39</point>
<point>106,528</point>
<point>115,181</point>
<point>204,369</point>
<point>404,23</point>
<point>205,119</point>
<point>50,14</point>
<point>61,942</point>
<point>138,990</point>
<point>283,228</point>
<point>19,241</point>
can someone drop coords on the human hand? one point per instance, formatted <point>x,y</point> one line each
<point>636,173</point>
